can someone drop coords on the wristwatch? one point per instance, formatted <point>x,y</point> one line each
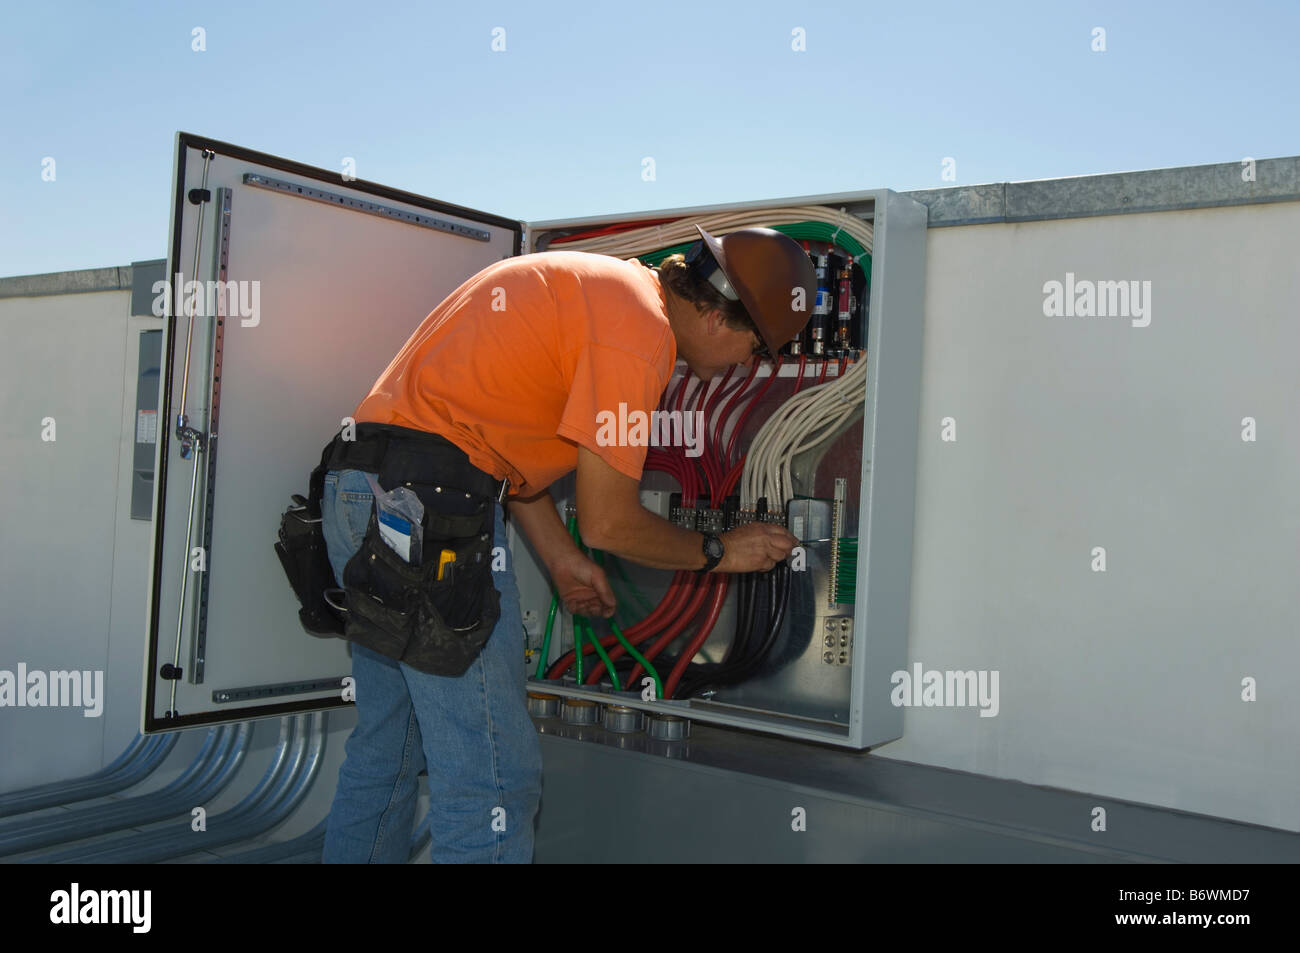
<point>712,552</point>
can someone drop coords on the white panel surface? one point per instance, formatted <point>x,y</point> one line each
<point>340,292</point>
<point>1075,433</point>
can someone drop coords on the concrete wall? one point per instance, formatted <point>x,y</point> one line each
<point>68,551</point>
<point>1076,432</point>
<point>77,599</point>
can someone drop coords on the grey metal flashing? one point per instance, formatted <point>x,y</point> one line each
<point>144,274</point>
<point>137,277</point>
<point>67,282</point>
<point>1120,193</point>
<point>964,204</point>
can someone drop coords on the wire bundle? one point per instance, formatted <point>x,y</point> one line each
<point>805,420</point>
<point>801,423</point>
<point>714,475</point>
<point>813,222</point>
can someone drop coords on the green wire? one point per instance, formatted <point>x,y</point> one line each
<point>645,663</point>
<point>599,556</point>
<point>580,624</point>
<point>577,627</point>
<point>622,611</point>
<point>813,231</point>
<point>618,568</point>
<point>546,642</point>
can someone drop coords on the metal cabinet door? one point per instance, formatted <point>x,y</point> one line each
<point>308,285</point>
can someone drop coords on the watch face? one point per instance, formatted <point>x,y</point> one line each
<point>712,547</point>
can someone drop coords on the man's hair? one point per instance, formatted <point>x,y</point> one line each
<point>685,282</point>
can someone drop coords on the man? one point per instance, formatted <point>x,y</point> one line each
<point>509,372</point>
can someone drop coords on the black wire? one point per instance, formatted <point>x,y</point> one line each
<point>710,675</point>
<point>780,587</point>
<point>746,616</point>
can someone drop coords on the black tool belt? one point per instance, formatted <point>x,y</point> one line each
<point>403,611</point>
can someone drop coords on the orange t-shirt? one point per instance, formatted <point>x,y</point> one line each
<point>515,364</point>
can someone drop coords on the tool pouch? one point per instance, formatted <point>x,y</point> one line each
<point>302,554</point>
<point>406,612</point>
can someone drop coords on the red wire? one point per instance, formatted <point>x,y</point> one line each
<point>719,587</point>
<point>635,633</point>
<point>610,230</point>
<point>798,380</point>
<point>674,630</point>
<point>720,483</point>
<point>721,426</point>
<point>735,434</point>
<point>703,462</point>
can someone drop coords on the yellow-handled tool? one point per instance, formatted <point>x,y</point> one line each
<point>446,558</point>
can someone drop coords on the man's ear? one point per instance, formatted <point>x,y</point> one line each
<point>712,320</point>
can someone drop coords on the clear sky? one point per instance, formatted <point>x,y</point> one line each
<point>557,124</point>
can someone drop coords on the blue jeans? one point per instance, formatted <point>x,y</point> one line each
<point>472,732</point>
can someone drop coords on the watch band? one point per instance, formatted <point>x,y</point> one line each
<point>713,552</point>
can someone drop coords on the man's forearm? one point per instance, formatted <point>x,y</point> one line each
<point>541,523</point>
<point>638,535</point>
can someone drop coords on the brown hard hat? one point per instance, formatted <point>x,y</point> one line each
<point>761,268</point>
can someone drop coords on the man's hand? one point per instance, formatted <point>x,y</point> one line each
<point>582,586</point>
<point>754,547</point>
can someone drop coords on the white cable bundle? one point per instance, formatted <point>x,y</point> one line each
<point>802,422</point>
<point>641,241</point>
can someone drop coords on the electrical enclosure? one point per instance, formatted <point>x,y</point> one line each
<point>309,284</point>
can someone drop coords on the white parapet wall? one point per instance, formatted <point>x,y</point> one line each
<point>1129,434</point>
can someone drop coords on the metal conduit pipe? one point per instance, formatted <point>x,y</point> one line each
<point>293,768</point>
<point>100,852</point>
<point>131,767</point>
<point>256,820</point>
<point>222,751</point>
<point>211,770</point>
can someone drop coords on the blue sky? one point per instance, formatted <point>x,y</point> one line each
<point>557,124</point>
